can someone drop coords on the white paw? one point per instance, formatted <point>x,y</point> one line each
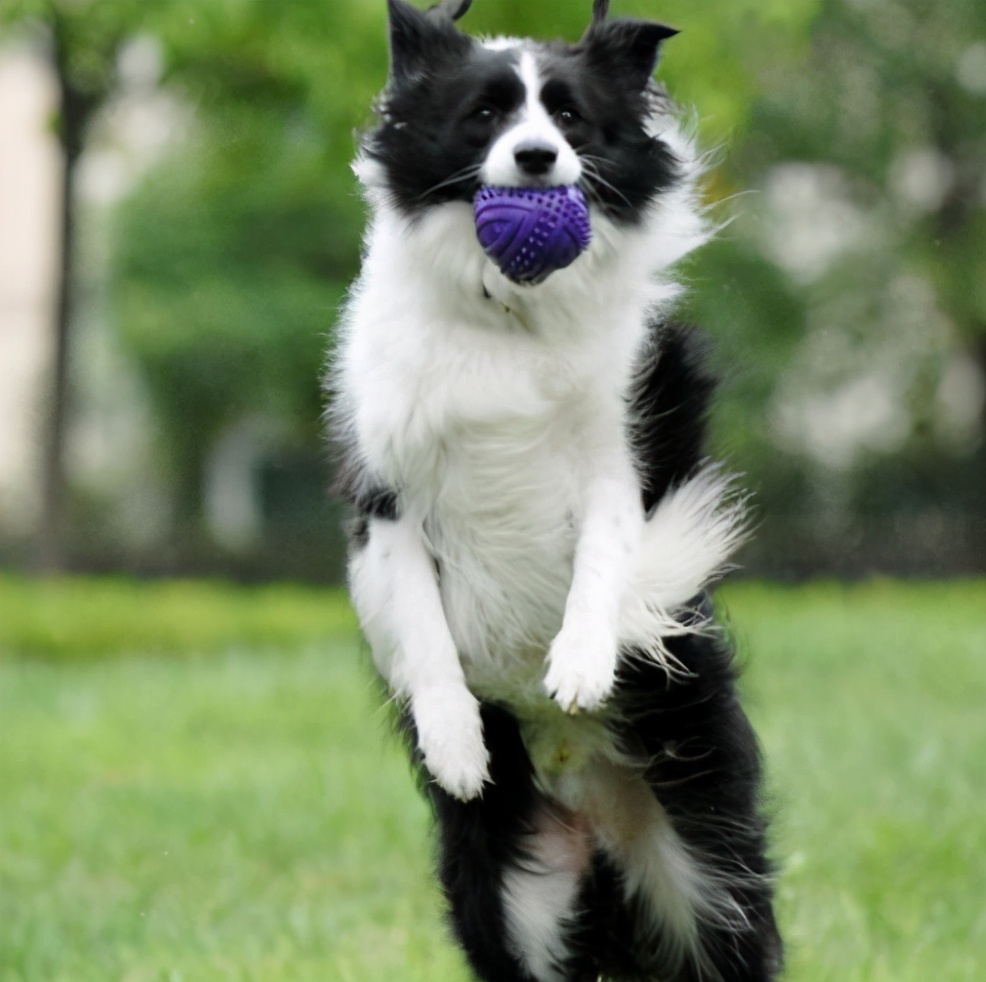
<point>450,736</point>
<point>581,669</point>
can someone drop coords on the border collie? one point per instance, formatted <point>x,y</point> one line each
<point>535,524</point>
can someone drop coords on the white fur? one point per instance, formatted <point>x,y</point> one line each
<point>522,560</point>
<point>533,125</point>
<point>687,543</point>
<point>394,589</point>
<point>539,896</point>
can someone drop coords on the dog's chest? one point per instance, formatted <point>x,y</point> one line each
<point>501,521</point>
<point>485,436</point>
<point>442,411</point>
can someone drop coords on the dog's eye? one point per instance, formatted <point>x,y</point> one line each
<point>483,114</point>
<point>568,116</point>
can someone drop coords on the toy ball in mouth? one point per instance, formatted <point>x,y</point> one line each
<point>531,232</point>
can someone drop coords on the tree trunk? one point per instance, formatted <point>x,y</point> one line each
<point>75,109</point>
<point>53,526</point>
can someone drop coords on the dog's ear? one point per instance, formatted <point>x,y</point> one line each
<point>452,9</point>
<point>418,38</point>
<point>625,49</point>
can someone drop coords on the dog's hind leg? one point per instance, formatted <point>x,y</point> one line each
<point>701,765</point>
<point>542,893</point>
<point>511,865</point>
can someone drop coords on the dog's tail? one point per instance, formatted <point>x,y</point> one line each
<point>689,541</point>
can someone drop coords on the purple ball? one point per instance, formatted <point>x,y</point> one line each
<point>531,232</point>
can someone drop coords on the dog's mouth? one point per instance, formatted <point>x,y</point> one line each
<point>531,233</point>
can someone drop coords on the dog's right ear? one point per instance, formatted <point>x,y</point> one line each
<point>452,9</point>
<point>600,11</point>
<point>417,37</point>
<point>626,50</point>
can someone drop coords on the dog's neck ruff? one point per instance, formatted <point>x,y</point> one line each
<point>436,263</point>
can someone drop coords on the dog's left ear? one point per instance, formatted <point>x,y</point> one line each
<point>626,49</point>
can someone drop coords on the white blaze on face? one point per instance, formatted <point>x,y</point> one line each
<point>533,126</point>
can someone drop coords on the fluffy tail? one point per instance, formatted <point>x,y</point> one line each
<point>688,544</point>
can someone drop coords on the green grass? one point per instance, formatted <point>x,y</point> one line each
<point>75,619</point>
<point>195,784</point>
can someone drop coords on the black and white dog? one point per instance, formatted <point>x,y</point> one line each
<point>536,526</point>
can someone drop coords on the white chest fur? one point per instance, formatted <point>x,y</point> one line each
<point>487,428</point>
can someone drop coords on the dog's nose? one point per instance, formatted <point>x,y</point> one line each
<point>535,157</point>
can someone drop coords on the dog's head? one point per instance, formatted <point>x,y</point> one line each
<point>458,113</point>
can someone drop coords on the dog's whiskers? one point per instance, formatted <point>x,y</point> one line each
<point>593,178</point>
<point>470,173</point>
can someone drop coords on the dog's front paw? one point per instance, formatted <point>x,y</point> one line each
<point>450,737</point>
<point>581,669</point>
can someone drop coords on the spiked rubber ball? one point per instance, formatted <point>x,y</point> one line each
<point>531,232</point>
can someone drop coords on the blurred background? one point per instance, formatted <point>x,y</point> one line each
<point>178,224</point>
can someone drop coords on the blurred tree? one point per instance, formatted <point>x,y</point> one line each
<point>83,39</point>
<point>866,256</point>
<point>233,254</point>
<point>894,95</point>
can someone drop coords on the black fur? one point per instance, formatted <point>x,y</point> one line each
<point>448,98</point>
<point>479,840</point>
<point>628,48</point>
<point>704,767</point>
<point>669,408</point>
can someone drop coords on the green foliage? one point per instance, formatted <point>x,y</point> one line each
<point>89,34</point>
<point>234,254</point>
<point>217,342</point>
<point>882,82</point>
<point>847,300</point>
<point>236,813</point>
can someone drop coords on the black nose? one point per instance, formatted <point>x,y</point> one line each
<point>535,158</point>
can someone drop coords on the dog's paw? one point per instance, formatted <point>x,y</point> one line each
<point>581,669</point>
<point>450,737</point>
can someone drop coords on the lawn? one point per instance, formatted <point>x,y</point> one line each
<point>196,784</point>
